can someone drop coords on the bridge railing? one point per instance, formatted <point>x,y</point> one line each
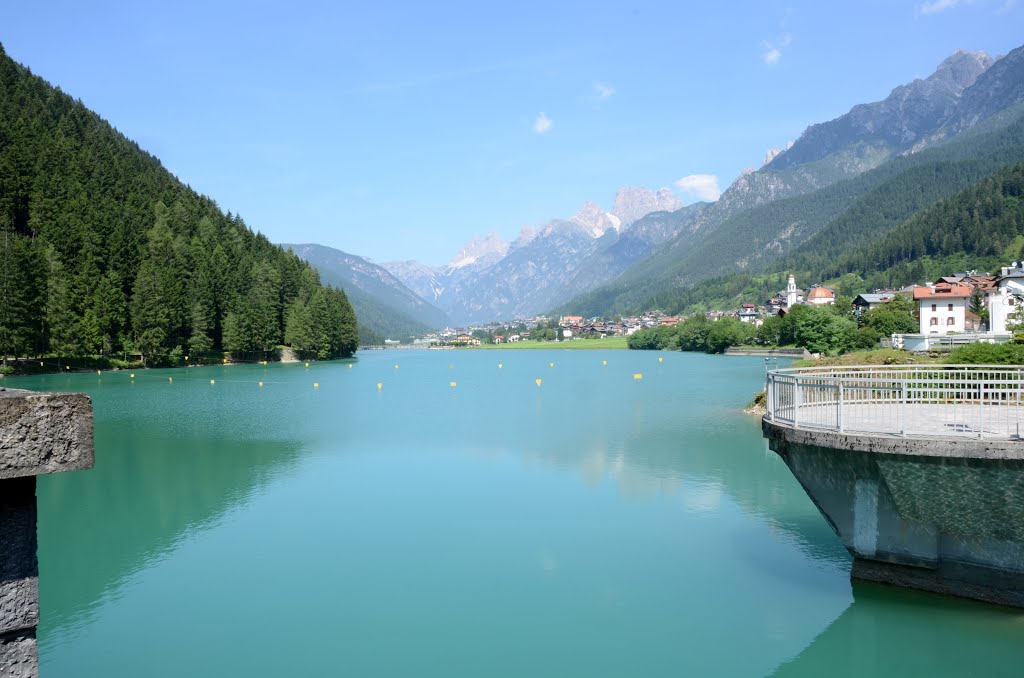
<point>980,401</point>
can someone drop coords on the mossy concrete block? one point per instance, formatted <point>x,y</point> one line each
<point>44,433</point>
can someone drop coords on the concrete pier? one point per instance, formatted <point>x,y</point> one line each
<point>39,433</point>
<point>941,510</point>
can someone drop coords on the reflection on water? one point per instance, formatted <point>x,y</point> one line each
<point>893,632</point>
<point>594,525</point>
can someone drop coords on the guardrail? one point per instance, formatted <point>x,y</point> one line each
<point>977,401</point>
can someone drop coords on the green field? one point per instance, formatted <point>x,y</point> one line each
<point>575,344</point>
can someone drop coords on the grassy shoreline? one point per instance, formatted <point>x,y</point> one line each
<point>576,344</point>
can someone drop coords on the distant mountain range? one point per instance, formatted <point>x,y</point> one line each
<point>492,280</point>
<point>838,186</point>
<point>384,306</point>
<point>841,182</point>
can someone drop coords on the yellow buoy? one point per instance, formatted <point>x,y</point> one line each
<point>264,363</point>
<point>170,380</point>
<point>225,361</point>
<point>638,376</point>
<point>40,364</point>
<point>551,364</point>
<point>307,364</point>
<point>132,376</point>
<point>660,359</point>
<point>499,366</point>
<point>316,385</point>
<point>261,384</point>
<point>97,371</point>
<point>450,366</point>
<point>604,362</point>
<point>380,386</point>
<point>396,366</point>
<point>186,358</point>
<point>68,367</point>
<point>538,381</point>
<point>211,381</point>
<point>452,384</point>
<point>350,366</point>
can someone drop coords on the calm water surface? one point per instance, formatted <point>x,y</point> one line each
<point>595,525</point>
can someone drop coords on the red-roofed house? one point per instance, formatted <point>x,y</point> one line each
<point>942,307</point>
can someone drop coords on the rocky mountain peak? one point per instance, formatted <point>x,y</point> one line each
<point>632,203</point>
<point>962,68</point>
<point>477,248</point>
<point>595,220</point>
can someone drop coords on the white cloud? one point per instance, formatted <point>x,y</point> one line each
<point>771,54</point>
<point>603,90</point>
<point>542,124</point>
<point>700,186</point>
<point>936,6</point>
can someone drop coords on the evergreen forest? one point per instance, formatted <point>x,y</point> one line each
<point>104,252</point>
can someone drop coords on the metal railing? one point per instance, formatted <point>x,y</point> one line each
<point>979,401</point>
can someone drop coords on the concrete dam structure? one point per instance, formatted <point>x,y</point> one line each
<point>919,469</point>
<point>39,433</point>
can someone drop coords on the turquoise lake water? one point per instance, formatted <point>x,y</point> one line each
<point>595,525</point>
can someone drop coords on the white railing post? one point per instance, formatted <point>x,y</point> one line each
<point>797,401</point>
<point>769,399</point>
<point>839,415</point>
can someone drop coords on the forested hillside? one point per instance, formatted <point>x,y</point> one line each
<point>102,250</point>
<point>805,233</point>
<point>979,228</point>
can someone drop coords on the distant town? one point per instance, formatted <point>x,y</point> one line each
<point>958,308</point>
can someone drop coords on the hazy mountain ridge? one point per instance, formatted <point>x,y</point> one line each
<point>489,279</point>
<point>383,303</point>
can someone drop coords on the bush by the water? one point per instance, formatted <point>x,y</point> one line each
<point>987,354</point>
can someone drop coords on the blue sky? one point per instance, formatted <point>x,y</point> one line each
<point>397,131</point>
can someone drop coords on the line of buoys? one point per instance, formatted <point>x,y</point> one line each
<point>97,371</point>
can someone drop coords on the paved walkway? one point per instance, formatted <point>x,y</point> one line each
<point>940,420</point>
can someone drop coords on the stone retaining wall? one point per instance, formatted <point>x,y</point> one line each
<point>39,433</point>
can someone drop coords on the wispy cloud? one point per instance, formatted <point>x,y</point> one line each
<point>700,186</point>
<point>773,48</point>
<point>542,124</point>
<point>603,90</point>
<point>936,6</point>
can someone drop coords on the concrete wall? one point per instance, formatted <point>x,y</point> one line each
<point>39,433</point>
<point>945,516</point>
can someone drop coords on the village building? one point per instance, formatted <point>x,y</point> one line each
<point>748,314</point>
<point>866,302</point>
<point>821,296</point>
<point>1005,296</point>
<point>942,308</point>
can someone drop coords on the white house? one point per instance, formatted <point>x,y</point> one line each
<point>942,308</point>
<point>1005,298</point>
